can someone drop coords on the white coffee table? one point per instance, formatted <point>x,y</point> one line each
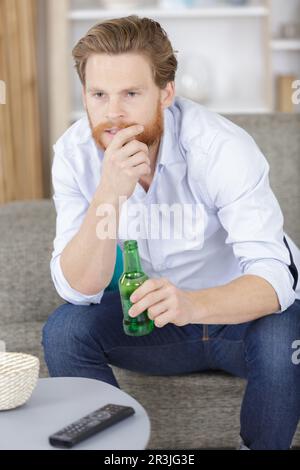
<point>56,402</point>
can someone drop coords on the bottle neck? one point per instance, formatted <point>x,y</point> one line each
<point>132,262</point>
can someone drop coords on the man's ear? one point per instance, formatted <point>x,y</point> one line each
<point>167,95</point>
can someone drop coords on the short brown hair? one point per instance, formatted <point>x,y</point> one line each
<point>129,34</point>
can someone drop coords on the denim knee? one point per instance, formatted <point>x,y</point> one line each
<point>269,342</point>
<point>72,325</point>
<point>65,323</point>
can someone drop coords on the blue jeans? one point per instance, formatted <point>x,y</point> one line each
<point>82,340</point>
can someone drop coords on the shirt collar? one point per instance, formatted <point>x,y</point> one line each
<point>84,133</point>
<point>168,140</point>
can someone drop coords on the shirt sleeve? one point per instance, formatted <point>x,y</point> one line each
<point>237,178</point>
<point>71,207</point>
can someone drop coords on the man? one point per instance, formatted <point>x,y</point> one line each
<point>233,282</point>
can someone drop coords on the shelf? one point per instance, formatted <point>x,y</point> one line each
<point>285,44</point>
<point>214,12</point>
<point>263,110</point>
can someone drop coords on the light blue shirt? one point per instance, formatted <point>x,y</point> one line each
<point>204,160</point>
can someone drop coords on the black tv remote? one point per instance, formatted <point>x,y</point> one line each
<point>90,424</point>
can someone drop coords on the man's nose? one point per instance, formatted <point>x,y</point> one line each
<point>114,109</point>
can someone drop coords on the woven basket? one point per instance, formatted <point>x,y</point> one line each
<point>18,377</point>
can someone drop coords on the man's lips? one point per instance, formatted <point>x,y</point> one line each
<point>113,130</point>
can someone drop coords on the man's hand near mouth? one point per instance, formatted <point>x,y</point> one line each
<point>120,173</point>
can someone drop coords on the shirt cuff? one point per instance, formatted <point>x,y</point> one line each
<point>64,289</point>
<point>279,276</point>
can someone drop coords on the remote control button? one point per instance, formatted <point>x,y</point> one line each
<point>103,415</point>
<point>91,424</point>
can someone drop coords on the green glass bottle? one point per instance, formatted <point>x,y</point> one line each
<point>132,277</point>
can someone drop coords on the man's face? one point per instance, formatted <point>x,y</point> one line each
<point>120,92</point>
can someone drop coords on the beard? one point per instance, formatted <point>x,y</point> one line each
<point>150,136</point>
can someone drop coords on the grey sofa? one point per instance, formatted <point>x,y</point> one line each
<point>198,410</point>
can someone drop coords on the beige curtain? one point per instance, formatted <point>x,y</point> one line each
<point>20,144</point>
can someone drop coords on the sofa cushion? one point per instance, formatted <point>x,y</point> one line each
<point>278,137</point>
<point>26,290</point>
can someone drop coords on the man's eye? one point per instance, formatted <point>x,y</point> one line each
<point>100,95</point>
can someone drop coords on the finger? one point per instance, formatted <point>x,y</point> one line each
<point>164,319</point>
<point>127,152</point>
<point>142,169</point>
<point>147,301</point>
<point>133,147</point>
<point>148,286</point>
<point>124,135</point>
<point>157,309</point>
<point>135,160</point>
